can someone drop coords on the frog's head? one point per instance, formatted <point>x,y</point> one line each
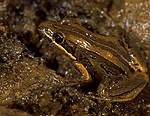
<point>50,32</point>
<point>59,34</point>
<point>59,31</point>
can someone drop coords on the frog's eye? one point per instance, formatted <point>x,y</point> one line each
<point>58,37</point>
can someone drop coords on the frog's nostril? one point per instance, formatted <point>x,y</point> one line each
<point>40,27</point>
<point>46,29</point>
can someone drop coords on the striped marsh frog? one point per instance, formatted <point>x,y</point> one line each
<point>121,72</point>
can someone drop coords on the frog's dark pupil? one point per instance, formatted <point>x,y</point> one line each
<point>58,37</point>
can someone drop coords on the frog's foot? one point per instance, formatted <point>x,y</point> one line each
<point>124,90</point>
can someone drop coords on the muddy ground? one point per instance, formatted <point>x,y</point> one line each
<point>29,83</point>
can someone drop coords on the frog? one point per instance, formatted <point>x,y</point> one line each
<point>121,74</point>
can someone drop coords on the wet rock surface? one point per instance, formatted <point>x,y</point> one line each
<point>29,81</point>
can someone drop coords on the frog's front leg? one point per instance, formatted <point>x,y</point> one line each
<point>122,88</point>
<point>73,71</point>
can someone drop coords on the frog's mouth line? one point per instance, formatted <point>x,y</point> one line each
<point>68,50</point>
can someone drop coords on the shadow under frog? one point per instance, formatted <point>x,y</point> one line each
<point>119,74</point>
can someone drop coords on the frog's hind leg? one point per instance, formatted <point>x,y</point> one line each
<point>124,90</point>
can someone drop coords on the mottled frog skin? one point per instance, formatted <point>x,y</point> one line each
<point>122,72</point>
